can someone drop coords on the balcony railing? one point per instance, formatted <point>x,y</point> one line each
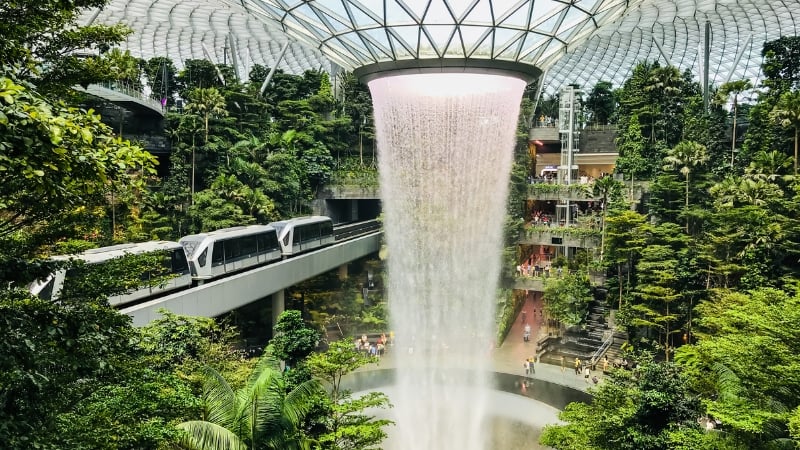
<point>131,91</point>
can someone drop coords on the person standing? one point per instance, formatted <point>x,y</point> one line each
<point>562,363</point>
<point>531,367</point>
<point>523,316</point>
<point>526,365</point>
<point>577,366</point>
<point>526,335</point>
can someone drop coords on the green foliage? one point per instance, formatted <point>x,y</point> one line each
<point>56,158</point>
<point>347,425</point>
<point>115,277</point>
<point>71,377</point>
<point>787,113</point>
<point>745,364</point>
<point>45,45</point>
<point>188,343</point>
<point>601,103</point>
<point>263,414</point>
<point>645,409</point>
<point>567,299</point>
<point>659,291</point>
<point>293,340</point>
<point>161,76</point>
<point>623,244</point>
<point>137,413</point>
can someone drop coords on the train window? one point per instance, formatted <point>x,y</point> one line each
<point>47,291</point>
<point>233,249</point>
<point>297,237</point>
<point>218,254</point>
<point>314,231</point>
<point>248,245</point>
<point>272,241</point>
<point>179,263</point>
<point>202,258</point>
<point>327,229</point>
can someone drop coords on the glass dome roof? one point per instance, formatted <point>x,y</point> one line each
<point>573,41</point>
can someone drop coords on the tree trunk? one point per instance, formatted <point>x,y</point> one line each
<point>666,338</point>
<point>686,203</point>
<point>619,280</point>
<point>796,130</point>
<point>733,133</point>
<point>192,183</point>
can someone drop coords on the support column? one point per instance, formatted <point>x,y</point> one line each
<point>278,305</point>
<point>343,272</point>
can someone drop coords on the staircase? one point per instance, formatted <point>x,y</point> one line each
<point>594,339</point>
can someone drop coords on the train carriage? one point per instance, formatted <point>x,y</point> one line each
<point>304,234</point>
<point>174,261</point>
<point>217,253</point>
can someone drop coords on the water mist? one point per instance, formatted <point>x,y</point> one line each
<point>445,144</point>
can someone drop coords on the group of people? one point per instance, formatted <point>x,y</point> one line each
<point>586,367</point>
<point>376,348</point>
<point>529,366</point>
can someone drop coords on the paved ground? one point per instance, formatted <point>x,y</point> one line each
<point>512,353</point>
<point>510,356</point>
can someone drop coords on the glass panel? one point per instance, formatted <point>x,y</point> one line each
<point>218,254</point>
<point>179,263</point>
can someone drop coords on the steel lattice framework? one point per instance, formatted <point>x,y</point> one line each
<point>572,41</point>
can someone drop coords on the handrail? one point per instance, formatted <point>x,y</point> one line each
<point>124,88</point>
<point>606,344</point>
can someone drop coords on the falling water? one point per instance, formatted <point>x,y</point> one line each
<point>445,143</point>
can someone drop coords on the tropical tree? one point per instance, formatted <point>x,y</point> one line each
<point>685,156</point>
<point>625,240</point>
<point>769,166</point>
<point>125,68</point>
<point>631,146</point>
<point>567,299</point>
<point>294,340</point>
<point>744,363</point>
<point>44,44</point>
<point>725,91</point>
<point>664,87</point>
<point>605,188</point>
<point>261,415</point>
<point>787,113</point>
<point>601,102</point>
<point>649,408</point>
<point>56,158</point>
<point>348,427</point>
<point>659,289</point>
<point>207,103</point>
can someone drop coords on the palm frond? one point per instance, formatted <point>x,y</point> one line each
<point>219,399</point>
<point>203,435</point>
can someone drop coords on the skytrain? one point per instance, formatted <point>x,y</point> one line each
<point>199,258</point>
<point>175,262</point>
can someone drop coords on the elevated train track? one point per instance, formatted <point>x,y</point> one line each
<point>353,241</point>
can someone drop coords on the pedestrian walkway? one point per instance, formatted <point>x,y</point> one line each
<point>511,355</point>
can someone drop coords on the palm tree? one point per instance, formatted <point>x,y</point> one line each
<point>769,166</point>
<point>261,415</point>
<point>207,103</point>
<point>725,91</point>
<point>685,156</point>
<point>787,113</point>
<point>664,83</point>
<point>604,188</point>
